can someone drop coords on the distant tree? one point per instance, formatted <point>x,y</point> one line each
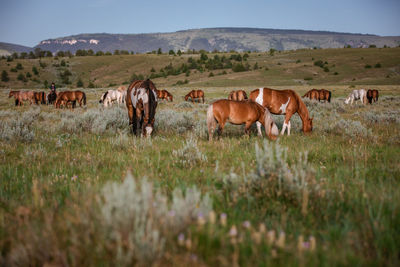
<point>68,54</point>
<point>4,76</point>
<point>62,63</point>
<point>99,53</point>
<point>42,64</point>
<point>19,66</point>
<point>372,46</point>
<point>9,59</point>
<point>46,84</point>
<point>35,70</point>
<point>31,55</point>
<point>14,55</point>
<point>159,51</point>
<point>49,54</point>
<point>13,70</point>
<point>203,57</point>
<point>124,52</point>
<point>255,67</point>
<point>38,52</point>
<point>171,52</point>
<point>245,56</point>
<point>79,83</point>
<point>23,55</point>
<point>272,51</point>
<point>179,52</point>
<point>152,70</point>
<point>21,77</point>
<point>91,85</point>
<point>108,53</point>
<point>116,52</point>
<point>28,75</point>
<point>378,65</point>
<point>90,52</point>
<point>60,54</point>
<point>211,74</point>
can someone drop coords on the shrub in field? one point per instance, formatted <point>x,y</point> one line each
<point>172,121</point>
<point>190,153</point>
<point>19,127</point>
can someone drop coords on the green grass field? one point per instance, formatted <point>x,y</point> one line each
<point>77,189</point>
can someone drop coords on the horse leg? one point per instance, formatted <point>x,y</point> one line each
<point>286,123</point>
<point>259,128</point>
<point>247,128</point>
<point>288,128</point>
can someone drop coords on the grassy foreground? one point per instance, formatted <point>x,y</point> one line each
<point>77,189</point>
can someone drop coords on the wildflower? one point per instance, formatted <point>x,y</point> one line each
<point>171,213</point>
<point>246,224</point>
<point>313,243</point>
<point>211,217</point>
<point>181,239</point>
<point>73,178</point>
<point>300,243</point>
<point>223,219</point>
<point>233,231</point>
<point>281,240</point>
<point>200,219</point>
<point>271,237</point>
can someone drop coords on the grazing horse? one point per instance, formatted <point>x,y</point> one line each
<point>355,95</point>
<point>111,95</point>
<point>238,95</point>
<point>372,95</point>
<point>239,112</point>
<point>51,97</point>
<point>194,94</point>
<point>141,101</point>
<point>21,96</point>
<point>283,102</point>
<point>164,94</point>
<point>319,95</point>
<point>40,97</point>
<point>70,96</point>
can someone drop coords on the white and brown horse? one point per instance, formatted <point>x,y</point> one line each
<point>360,94</point>
<point>283,102</point>
<point>110,96</point>
<point>238,95</point>
<point>164,94</point>
<point>239,112</point>
<point>141,101</point>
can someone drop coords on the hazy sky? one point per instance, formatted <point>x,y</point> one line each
<point>27,22</point>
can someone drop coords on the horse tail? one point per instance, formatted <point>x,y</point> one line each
<point>271,130</point>
<point>84,98</point>
<point>211,122</point>
<point>329,96</point>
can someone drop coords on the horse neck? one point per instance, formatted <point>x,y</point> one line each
<point>261,110</point>
<point>302,110</point>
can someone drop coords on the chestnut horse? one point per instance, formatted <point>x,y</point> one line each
<point>283,102</point>
<point>40,97</point>
<point>239,112</point>
<point>164,94</point>
<point>319,95</point>
<point>70,96</point>
<point>21,96</point>
<point>194,94</point>
<point>141,101</point>
<point>372,95</point>
<point>238,95</point>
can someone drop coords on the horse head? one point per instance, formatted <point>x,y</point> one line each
<point>308,125</point>
<point>186,97</point>
<point>11,94</point>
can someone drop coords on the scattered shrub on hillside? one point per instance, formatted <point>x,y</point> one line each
<point>19,66</point>
<point>21,77</point>
<point>378,65</point>
<point>4,76</point>
<point>367,66</point>
<point>308,78</point>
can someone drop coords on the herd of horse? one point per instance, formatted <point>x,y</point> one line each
<point>141,98</point>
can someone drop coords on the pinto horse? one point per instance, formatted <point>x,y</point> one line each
<point>239,112</point>
<point>283,102</point>
<point>110,96</point>
<point>238,95</point>
<point>372,95</point>
<point>40,97</point>
<point>141,101</point>
<point>194,94</point>
<point>164,94</point>
<point>70,96</point>
<point>355,95</point>
<point>319,95</point>
<point>21,96</point>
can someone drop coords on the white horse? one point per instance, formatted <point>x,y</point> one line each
<point>360,94</point>
<point>111,95</point>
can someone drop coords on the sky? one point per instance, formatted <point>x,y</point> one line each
<point>27,22</point>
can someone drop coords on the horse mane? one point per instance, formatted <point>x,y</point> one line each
<point>303,111</point>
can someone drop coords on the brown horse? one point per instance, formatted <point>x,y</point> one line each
<point>21,96</point>
<point>239,112</point>
<point>238,95</point>
<point>319,95</point>
<point>164,94</point>
<point>283,102</point>
<point>40,97</point>
<point>195,94</point>
<point>372,95</point>
<point>141,101</point>
<point>70,96</point>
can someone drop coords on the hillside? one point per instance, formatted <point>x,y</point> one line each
<point>221,39</point>
<point>7,49</point>
<point>369,66</point>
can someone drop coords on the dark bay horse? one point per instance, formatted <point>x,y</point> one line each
<point>40,97</point>
<point>195,94</point>
<point>141,101</point>
<point>51,97</point>
<point>283,102</point>
<point>63,98</point>
<point>164,94</point>
<point>238,95</point>
<point>372,95</point>
<point>319,95</point>
<point>240,112</point>
<point>21,96</point>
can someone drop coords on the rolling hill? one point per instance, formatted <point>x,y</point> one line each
<point>221,39</point>
<point>7,49</point>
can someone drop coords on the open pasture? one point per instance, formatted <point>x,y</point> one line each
<point>77,189</point>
